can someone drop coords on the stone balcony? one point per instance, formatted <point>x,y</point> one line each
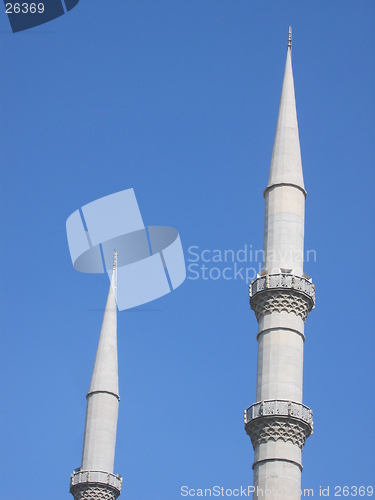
<point>280,407</point>
<point>96,477</point>
<point>278,420</point>
<point>282,292</point>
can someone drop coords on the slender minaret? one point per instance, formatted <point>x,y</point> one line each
<point>281,297</point>
<point>95,480</point>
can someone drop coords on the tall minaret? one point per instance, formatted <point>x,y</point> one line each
<point>281,297</point>
<point>95,480</point>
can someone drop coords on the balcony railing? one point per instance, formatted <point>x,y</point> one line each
<point>279,407</point>
<point>95,476</point>
<point>280,281</point>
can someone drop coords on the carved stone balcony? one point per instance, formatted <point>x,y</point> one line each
<point>95,485</point>
<point>282,292</point>
<point>278,419</point>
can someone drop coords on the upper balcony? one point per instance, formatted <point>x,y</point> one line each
<point>96,477</point>
<point>282,292</point>
<point>282,281</point>
<point>279,407</point>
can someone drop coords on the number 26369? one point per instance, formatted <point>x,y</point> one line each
<point>24,8</point>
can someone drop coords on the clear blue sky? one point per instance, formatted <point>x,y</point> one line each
<point>178,99</point>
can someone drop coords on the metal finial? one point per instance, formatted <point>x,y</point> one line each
<point>115,260</point>
<point>290,38</point>
<point>115,273</point>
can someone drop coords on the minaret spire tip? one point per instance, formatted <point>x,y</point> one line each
<point>114,272</point>
<point>115,255</point>
<point>290,38</point>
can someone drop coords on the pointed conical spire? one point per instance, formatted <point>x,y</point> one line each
<point>105,373</point>
<point>286,165</point>
<point>103,398</point>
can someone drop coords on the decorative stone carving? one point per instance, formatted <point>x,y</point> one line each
<point>95,485</point>
<point>92,492</point>
<point>276,428</point>
<point>278,419</point>
<point>282,292</point>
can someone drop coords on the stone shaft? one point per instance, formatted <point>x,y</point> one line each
<point>102,398</point>
<point>95,480</point>
<point>285,193</point>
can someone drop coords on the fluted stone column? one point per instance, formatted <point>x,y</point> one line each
<point>281,297</point>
